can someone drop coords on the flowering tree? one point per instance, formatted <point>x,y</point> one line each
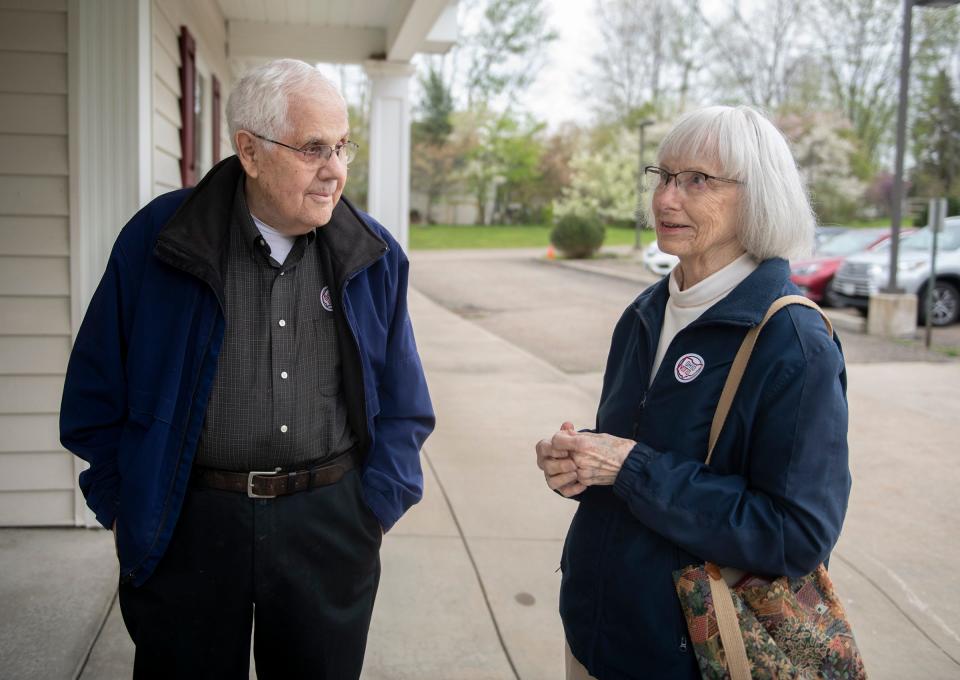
<point>825,147</point>
<point>604,181</point>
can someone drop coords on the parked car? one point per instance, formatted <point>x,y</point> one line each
<point>657,261</point>
<point>825,232</point>
<point>813,275</point>
<point>864,274</point>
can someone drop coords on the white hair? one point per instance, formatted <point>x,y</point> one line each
<point>776,219</point>
<point>258,103</point>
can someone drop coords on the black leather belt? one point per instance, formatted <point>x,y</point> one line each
<point>270,484</point>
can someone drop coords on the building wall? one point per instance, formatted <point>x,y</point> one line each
<point>37,477</point>
<point>208,27</point>
<point>453,209</point>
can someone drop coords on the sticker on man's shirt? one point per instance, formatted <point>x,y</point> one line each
<point>688,367</point>
<point>326,300</point>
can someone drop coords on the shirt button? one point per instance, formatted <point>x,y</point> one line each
<point>283,428</point>
<point>283,374</point>
<point>282,273</point>
<point>282,323</point>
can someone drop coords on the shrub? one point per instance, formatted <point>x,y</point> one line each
<point>577,235</point>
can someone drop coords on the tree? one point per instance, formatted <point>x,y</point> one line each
<point>503,156</point>
<point>643,45</point>
<point>435,169</point>
<point>506,50</point>
<point>604,181</point>
<point>502,56</point>
<point>859,46</point>
<point>436,107</point>
<point>434,160</point>
<point>555,173</point>
<point>936,139</point>
<point>359,171</point>
<point>825,146</point>
<point>859,49</point>
<point>754,56</point>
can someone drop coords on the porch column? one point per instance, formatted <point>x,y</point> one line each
<point>109,109</point>
<point>389,183</point>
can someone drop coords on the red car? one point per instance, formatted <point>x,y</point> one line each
<point>813,275</point>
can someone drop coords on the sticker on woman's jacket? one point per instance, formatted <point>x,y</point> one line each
<point>325,299</point>
<point>688,367</point>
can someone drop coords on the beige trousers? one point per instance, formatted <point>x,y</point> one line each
<point>575,669</point>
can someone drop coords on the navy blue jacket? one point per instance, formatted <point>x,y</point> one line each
<point>772,500</point>
<point>143,363</point>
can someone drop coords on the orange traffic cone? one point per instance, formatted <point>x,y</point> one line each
<point>550,254</point>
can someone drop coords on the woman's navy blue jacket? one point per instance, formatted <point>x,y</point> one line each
<point>772,500</point>
<point>143,363</point>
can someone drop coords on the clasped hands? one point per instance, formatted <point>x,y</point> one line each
<point>571,461</point>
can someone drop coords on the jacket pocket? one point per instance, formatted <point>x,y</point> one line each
<point>143,406</point>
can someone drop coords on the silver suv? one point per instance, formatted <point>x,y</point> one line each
<point>865,273</point>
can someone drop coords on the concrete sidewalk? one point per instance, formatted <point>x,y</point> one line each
<point>469,587</point>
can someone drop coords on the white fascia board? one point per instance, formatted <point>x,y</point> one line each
<point>408,33</point>
<point>446,29</point>
<point>331,44</point>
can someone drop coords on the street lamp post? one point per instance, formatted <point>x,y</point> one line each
<point>640,211</point>
<point>897,207</point>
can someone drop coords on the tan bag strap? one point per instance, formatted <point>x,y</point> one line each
<point>730,634</point>
<point>743,356</point>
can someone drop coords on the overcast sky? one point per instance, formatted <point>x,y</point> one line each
<point>562,89</point>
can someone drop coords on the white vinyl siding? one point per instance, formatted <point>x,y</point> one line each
<point>208,27</point>
<point>37,477</point>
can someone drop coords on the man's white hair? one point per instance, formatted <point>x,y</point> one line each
<point>775,218</point>
<point>259,102</point>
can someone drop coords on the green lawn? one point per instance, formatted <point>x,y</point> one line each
<point>449,236</point>
<point>857,224</point>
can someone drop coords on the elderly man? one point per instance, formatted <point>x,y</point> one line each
<point>247,391</point>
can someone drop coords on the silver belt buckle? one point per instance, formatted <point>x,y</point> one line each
<point>251,475</point>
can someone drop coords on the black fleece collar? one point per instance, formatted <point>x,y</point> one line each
<point>196,238</point>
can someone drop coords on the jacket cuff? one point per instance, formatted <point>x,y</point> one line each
<point>633,472</point>
<point>380,507</point>
<point>106,514</point>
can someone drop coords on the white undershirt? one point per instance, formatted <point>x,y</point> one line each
<point>685,306</point>
<point>280,244</point>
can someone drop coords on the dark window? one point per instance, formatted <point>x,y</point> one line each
<point>188,108</point>
<point>215,112</point>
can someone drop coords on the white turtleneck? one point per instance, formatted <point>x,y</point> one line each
<point>685,306</point>
<point>280,244</point>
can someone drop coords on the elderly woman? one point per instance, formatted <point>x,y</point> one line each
<point>729,203</point>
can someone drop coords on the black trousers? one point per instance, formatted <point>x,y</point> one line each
<point>304,568</point>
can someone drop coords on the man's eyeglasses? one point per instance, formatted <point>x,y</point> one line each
<point>316,154</point>
<point>687,181</point>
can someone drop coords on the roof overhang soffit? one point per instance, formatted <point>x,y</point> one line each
<point>416,26</point>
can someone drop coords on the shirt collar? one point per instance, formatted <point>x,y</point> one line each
<point>248,230</point>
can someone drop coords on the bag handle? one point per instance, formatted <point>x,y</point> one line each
<point>731,636</point>
<point>743,356</point>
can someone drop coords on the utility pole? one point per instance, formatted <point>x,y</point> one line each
<point>896,210</point>
<point>640,213</point>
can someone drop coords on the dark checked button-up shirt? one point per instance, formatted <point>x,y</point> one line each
<point>276,400</point>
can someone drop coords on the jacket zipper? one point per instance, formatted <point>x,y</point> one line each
<point>639,416</point>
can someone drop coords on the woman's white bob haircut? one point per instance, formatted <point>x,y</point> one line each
<point>776,219</point>
<point>259,101</point>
